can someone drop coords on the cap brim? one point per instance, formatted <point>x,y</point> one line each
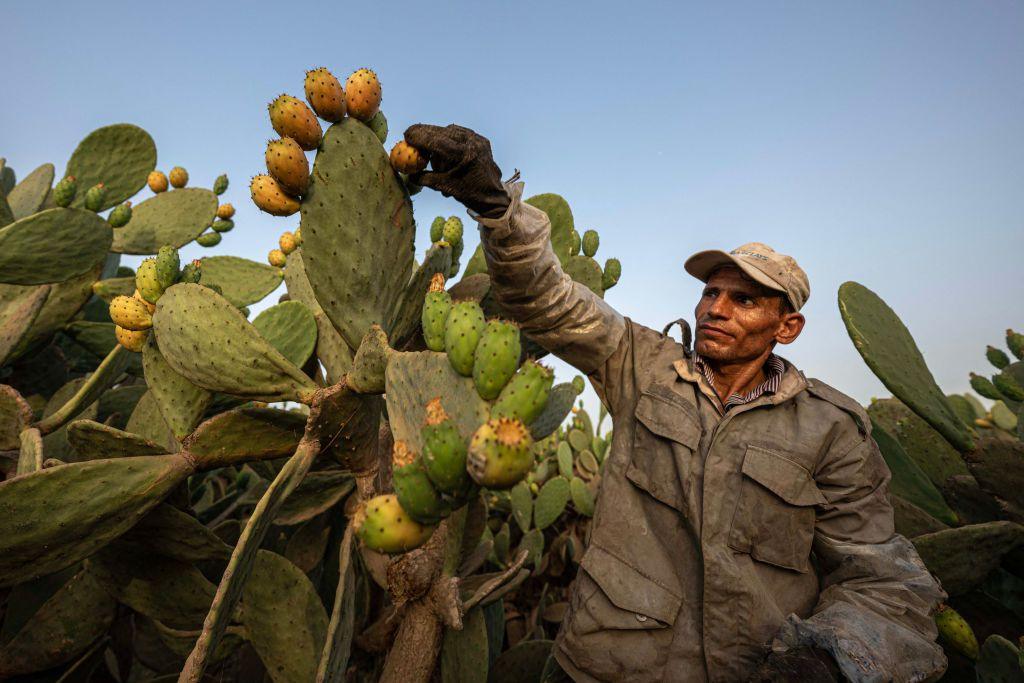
<point>703,263</point>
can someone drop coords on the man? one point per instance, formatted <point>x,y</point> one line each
<point>743,529</point>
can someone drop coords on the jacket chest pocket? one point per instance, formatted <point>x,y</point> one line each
<point>774,518</point>
<point>667,432</point>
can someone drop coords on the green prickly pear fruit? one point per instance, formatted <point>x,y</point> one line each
<point>1008,386</point>
<point>997,357</point>
<point>288,165</point>
<point>1015,342</point>
<point>985,387</point>
<point>120,216</point>
<point>209,239</point>
<point>324,94</point>
<point>383,525</point>
<point>437,229</point>
<point>379,125</point>
<point>370,362</point>
<point>574,243</point>
<point>167,265</point>
<point>225,225</point>
<point>525,394</point>
<point>436,306</point>
<point>415,493</point>
<point>956,631</point>
<point>277,258</point>
<point>178,177</point>
<point>64,191</point>
<point>612,273</point>
<point>444,451</point>
<point>192,272</point>
<point>500,453</point>
<point>496,358</point>
<point>94,197</point>
<point>291,118</point>
<point>130,313</point>
<point>157,181</point>
<point>462,332</point>
<point>225,211</point>
<point>452,231</point>
<point>269,196</point>
<point>220,185</point>
<point>590,242</point>
<point>147,282</point>
<point>579,384</point>
<point>362,94</point>
<point>287,242</point>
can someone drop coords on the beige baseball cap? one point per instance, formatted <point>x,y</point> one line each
<point>762,263</point>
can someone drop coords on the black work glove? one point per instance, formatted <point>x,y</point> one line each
<point>461,167</point>
<point>798,664</point>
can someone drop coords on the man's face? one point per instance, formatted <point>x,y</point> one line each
<point>738,319</point>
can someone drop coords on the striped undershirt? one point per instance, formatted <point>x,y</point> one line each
<point>773,369</point>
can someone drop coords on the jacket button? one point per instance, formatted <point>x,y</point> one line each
<point>641,618</point>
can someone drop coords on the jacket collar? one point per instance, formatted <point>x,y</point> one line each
<point>793,382</point>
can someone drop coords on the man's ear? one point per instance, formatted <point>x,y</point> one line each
<point>790,327</point>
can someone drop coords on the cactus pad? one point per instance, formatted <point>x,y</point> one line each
<point>28,196</point>
<point>119,156</point>
<point>408,311</point>
<point>181,403</point>
<point>331,348</point>
<point>52,246</point>
<point>962,557</point>
<point>909,481</point>
<point>290,328</point>
<point>93,440</point>
<point>244,434</point>
<point>19,307</point>
<point>557,408</point>
<point>551,501</point>
<point>175,218</point>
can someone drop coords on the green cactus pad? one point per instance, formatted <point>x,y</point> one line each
<point>582,498</point>
<point>93,440</point>
<point>30,455</point>
<point>464,653</point>
<point>8,179</point>
<point>181,403</point>
<point>15,415</point>
<point>331,349</point>
<point>316,494</point>
<point>998,661</point>
<point>335,655</point>
<point>962,557</point>
<point>522,505</point>
<point>28,196</point>
<point>522,662</point>
<point>146,421</point>
<point>243,282</point>
<point>562,224</point>
<point>997,465</point>
<point>19,307</point>
<point>53,246</point>
<point>408,311</point>
<point>175,534</point>
<point>120,156</point>
<point>924,445</point>
<point>244,434</point>
<point>118,286</point>
<point>889,350</point>
<point>909,481</point>
<point>367,373</point>
<point>65,625</point>
<point>551,501</point>
<point>195,326</point>
<point>586,271</point>
<point>175,218</point>
<point>290,328</point>
<point>357,224</point>
<point>63,301</point>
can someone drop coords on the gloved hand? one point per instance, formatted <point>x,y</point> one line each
<point>461,167</point>
<point>798,664</point>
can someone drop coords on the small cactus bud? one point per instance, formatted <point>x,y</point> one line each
<point>379,125</point>
<point>95,196</point>
<point>64,191</point>
<point>220,185</point>
<point>209,239</point>
<point>120,216</point>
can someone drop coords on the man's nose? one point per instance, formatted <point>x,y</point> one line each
<point>719,307</point>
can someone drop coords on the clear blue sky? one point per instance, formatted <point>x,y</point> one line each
<point>875,141</point>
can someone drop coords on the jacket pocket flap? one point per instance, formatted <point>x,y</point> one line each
<point>630,590</point>
<point>672,419</point>
<point>783,477</point>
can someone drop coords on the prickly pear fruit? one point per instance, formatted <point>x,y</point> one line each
<point>64,191</point>
<point>220,185</point>
<point>270,197</point>
<point>384,526</point>
<point>496,358</point>
<point>985,387</point>
<point>291,118</point>
<point>225,211</point>
<point>1008,386</point>
<point>437,229</point>
<point>407,159</point>
<point>956,631</point>
<point>288,165</point>
<point>362,94</point>
<point>997,357</point>
<point>324,94</point>
<point>525,394</point>
<point>94,197</point>
<point>415,493</point>
<point>167,264</point>
<point>1015,342</point>
<point>612,273</point>
<point>463,327</point>
<point>149,307</point>
<point>287,242</point>
<point>379,125</point>
<point>192,272</point>
<point>178,177</point>
<point>452,232</point>
<point>500,453</point>
<point>225,225</point>
<point>133,340</point>
<point>147,282</point>
<point>130,313</point>
<point>298,236</point>
<point>370,362</point>
<point>209,239</point>
<point>590,242</point>
<point>579,384</point>
<point>436,306</point>
<point>444,451</point>
<point>120,216</point>
<point>277,258</point>
<point>157,181</point>
<point>574,243</point>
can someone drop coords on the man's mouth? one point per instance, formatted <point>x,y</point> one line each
<point>713,331</point>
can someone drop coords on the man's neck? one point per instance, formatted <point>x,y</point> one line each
<point>739,376</point>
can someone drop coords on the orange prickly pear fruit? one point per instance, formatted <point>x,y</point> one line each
<point>150,307</point>
<point>178,176</point>
<point>287,242</point>
<point>362,94</point>
<point>277,258</point>
<point>407,159</point>
<point>291,118</point>
<point>130,313</point>
<point>325,95</point>
<point>225,211</point>
<point>157,181</point>
<point>269,196</point>
<point>133,340</point>
<point>287,163</point>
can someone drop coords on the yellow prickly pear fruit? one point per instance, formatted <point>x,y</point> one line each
<point>956,631</point>
<point>298,236</point>
<point>362,94</point>
<point>500,453</point>
<point>157,181</point>
<point>270,197</point>
<point>179,177</point>
<point>291,118</point>
<point>288,165</point>
<point>149,307</point>
<point>325,95</point>
<point>277,258</point>
<point>225,211</point>
<point>407,159</point>
<point>287,242</point>
<point>130,313</point>
<point>384,526</point>
<point>133,340</point>
<point>147,281</point>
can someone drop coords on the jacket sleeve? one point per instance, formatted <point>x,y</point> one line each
<point>874,614</point>
<point>527,280</point>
